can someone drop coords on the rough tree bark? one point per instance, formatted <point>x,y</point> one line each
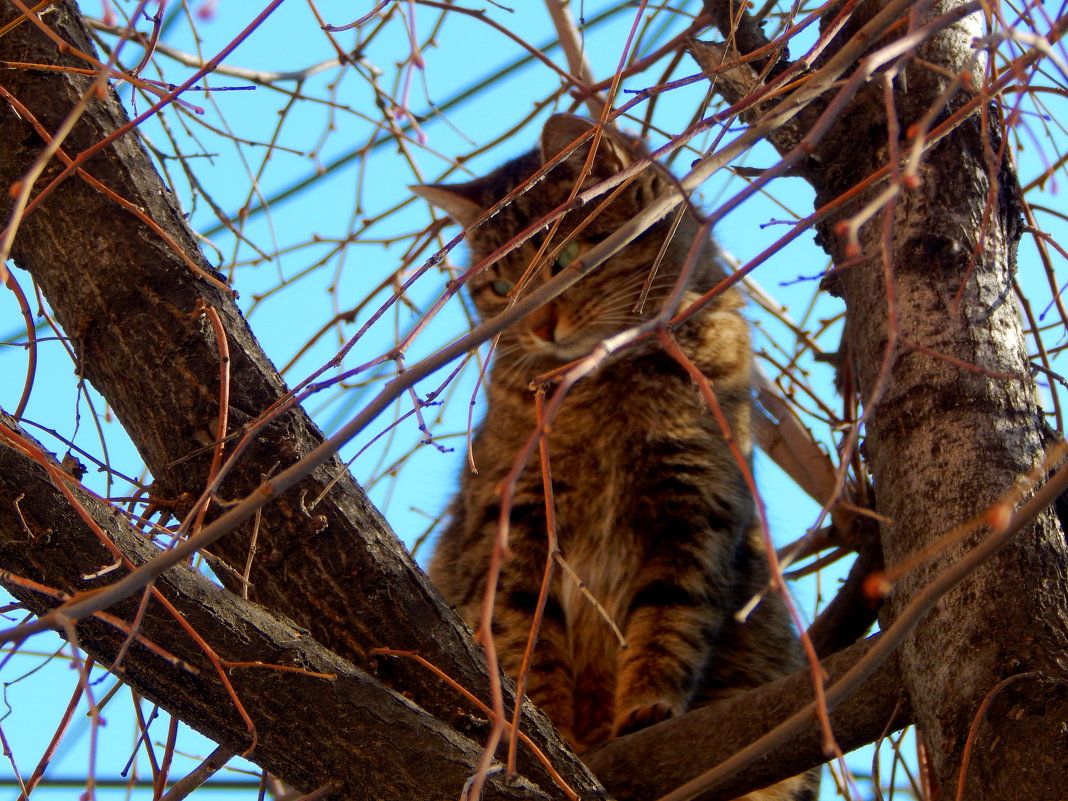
<point>951,413</point>
<point>932,295</point>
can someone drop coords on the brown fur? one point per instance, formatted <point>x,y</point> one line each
<point>652,510</point>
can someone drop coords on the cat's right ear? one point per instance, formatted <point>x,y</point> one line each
<point>459,201</point>
<point>562,130</point>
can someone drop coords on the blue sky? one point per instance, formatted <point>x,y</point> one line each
<point>302,245</point>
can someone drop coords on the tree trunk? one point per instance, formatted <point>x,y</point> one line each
<point>953,425</point>
<point>951,420</point>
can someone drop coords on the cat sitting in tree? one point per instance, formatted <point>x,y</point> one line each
<point>652,511</point>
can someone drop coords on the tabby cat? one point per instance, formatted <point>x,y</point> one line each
<point>652,512</point>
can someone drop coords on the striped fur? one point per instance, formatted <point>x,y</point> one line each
<point>652,510</point>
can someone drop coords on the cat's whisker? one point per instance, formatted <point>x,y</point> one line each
<point>626,302</point>
<point>502,351</point>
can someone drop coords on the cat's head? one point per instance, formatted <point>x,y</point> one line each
<point>617,294</point>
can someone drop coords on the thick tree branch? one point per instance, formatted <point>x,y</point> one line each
<point>366,737</point>
<point>928,296</point>
<point>933,293</point>
<point>670,757</point>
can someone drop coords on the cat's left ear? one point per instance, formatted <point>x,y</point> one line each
<point>462,202</point>
<point>614,152</point>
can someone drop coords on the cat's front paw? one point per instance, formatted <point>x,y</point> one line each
<point>640,715</point>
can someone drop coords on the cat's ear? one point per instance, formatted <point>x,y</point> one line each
<point>614,153</point>
<point>462,202</point>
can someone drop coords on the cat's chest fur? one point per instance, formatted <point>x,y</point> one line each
<point>621,431</point>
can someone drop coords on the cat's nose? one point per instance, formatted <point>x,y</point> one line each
<point>546,332</point>
<point>543,321</point>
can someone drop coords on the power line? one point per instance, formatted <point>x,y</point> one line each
<point>452,102</point>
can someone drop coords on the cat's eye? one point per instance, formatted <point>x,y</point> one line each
<point>567,256</point>
<point>501,287</point>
